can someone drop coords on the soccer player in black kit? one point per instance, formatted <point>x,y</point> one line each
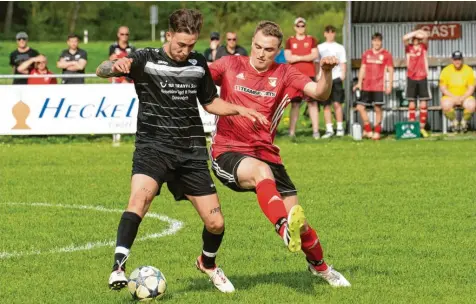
<point>170,140</point>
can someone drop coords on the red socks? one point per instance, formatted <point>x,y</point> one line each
<point>271,202</point>
<point>378,129</point>
<point>367,127</point>
<point>423,116</point>
<point>313,250</point>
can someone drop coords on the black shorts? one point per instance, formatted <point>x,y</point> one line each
<point>300,98</point>
<point>370,98</point>
<point>417,89</point>
<point>182,175</point>
<point>337,93</point>
<point>225,168</point>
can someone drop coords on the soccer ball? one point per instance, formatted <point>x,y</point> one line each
<point>147,283</point>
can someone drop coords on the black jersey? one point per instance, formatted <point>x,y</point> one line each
<point>168,118</point>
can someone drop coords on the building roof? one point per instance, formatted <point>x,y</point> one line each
<point>412,11</point>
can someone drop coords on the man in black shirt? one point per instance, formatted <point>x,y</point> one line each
<point>73,60</point>
<point>211,52</point>
<point>20,55</point>
<point>170,140</point>
<point>231,47</point>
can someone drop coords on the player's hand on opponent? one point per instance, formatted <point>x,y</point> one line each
<point>328,63</point>
<point>122,65</point>
<point>252,115</point>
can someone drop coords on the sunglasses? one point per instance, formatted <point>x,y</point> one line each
<point>300,26</point>
<point>124,34</point>
<point>19,39</point>
<point>231,39</point>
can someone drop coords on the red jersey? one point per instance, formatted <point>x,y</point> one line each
<point>120,53</point>
<point>375,64</point>
<point>416,61</point>
<point>267,92</point>
<point>301,48</point>
<point>44,80</point>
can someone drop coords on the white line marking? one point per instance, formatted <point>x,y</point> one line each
<point>174,227</point>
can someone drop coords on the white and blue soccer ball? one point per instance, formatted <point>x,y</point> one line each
<point>147,283</point>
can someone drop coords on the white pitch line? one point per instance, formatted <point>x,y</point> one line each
<point>174,227</point>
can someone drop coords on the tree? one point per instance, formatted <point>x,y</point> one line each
<point>8,18</point>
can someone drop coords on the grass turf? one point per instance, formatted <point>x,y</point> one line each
<point>397,218</point>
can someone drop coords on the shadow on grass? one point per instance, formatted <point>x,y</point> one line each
<point>301,282</point>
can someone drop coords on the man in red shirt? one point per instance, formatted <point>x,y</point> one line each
<point>39,68</point>
<point>301,52</point>
<point>121,48</point>
<point>375,63</point>
<point>244,157</point>
<point>416,49</point>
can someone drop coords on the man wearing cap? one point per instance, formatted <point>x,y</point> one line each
<point>231,47</point>
<point>301,51</point>
<point>20,55</point>
<point>457,85</point>
<point>211,52</point>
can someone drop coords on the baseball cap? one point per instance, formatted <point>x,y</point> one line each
<point>457,55</point>
<point>21,35</point>
<point>215,35</point>
<point>298,20</point>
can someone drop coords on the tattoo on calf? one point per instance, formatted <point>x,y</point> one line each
<point>215,210</point>
<point>148,191</point>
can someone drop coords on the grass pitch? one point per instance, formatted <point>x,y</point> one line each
<point>398,219</point>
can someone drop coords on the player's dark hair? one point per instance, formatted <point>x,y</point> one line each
<point>377,36</point>
<point>330,29</point>
<point>185,20</point>
<point>269,28</point>
<point>73,36</point>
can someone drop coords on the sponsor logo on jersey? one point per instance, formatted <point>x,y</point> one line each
<point>77,56</point>
<point>193,61</point>
<point>272,81</point>
<point>254,92</point>
<point>240,76</point>
<point>162,62</point>
<point>294,45</point>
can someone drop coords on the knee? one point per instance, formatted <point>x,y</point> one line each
<point>262,172</point>
<point>140,199</point>
<point>470,104</point>
<point>337,106</point>
<point>360,108</point>
<point>215,225</point>
<point>446,105</point>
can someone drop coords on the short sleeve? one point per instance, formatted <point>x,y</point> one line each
<point>207,91</point>
<point>133,48</point>
<point>295,79</point>
<point>139,59</point>
<point>34,53</point>
<point>242,51</point>
<point>342,56</point>
<point>218,68</point>
<point>220,52</point>
<point>443,77</point>
<point>207,54</point>
<point>111,49</point>
<point>12,59</point>
<point>288,44</point>
<point>471,80</point>
<point>364,58</point>
<point>389,59</point>
<point>407,49</point>
<point>84,55</point>
<point>314,42</point>
<point>61,55</point>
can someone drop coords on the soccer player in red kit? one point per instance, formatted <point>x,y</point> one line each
<point>244,157</point>
<point>375,63</point>
<point>416,49</point>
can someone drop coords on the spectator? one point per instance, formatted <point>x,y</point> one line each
<point>121,48</point>
<point>375,63</point>
<point>301,51</point>
<point>416,48</point>
<point>40,67</point>
<point>231,47</point>
<point>211,52</point>
<point>20,55</point>
<point>73,60</point>
<point>332,48</point>
<point>457,86</point>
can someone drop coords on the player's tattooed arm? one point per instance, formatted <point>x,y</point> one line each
<point>114,68</point>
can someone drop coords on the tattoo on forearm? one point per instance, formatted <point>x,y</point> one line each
<point>215,210</point>
<point>104,70</point>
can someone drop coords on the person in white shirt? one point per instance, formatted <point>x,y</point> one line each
<point>332,48</point>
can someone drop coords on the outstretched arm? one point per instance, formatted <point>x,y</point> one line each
<point>222,108</point>
<point>114,68</point>
<point>321,89</point>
